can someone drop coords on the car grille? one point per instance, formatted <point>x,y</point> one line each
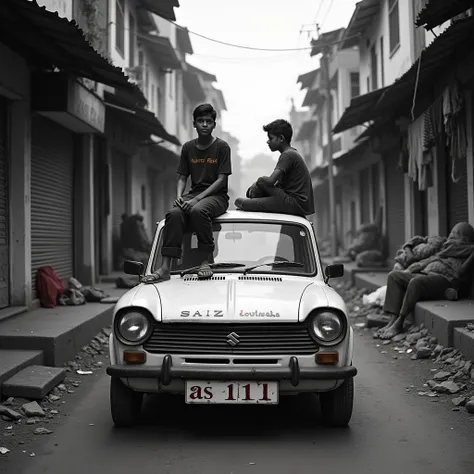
<point>248,339</point>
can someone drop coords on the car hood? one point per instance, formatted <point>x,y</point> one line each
<point>248,299</point>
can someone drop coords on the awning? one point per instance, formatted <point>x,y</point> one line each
<point>163,49</point>
<point>360,110</point>
<point>145,121</point>
<point>437,12</point>
<point>207,76</point>
<point>307,79</point>
<point>163,8</point>
<point>184,41</point>
<point>312,97</point>
<point>352,154</point>
<point>331,37</point>
<point>193,86</point>
<point>362,18</point>
<point>449,48</point>
<point>49,41</point>
<point>219,99</point>
<point>306,131</point>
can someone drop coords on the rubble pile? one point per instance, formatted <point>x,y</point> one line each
<point>22,419</point>
<point>452,373</point>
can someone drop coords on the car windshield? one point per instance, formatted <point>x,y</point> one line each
<point>247,244</point>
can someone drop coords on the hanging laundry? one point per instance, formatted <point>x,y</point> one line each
<point>455,127</point>
<point>415,147</point>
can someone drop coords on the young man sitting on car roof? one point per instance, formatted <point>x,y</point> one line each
<point>288,190</point>
<point>207,160</point>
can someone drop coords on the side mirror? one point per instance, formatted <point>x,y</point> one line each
<point>334,271</point>
<point>133,268</point>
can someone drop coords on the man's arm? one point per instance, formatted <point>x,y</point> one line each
<point>272,179</point>
<point>181,185</point>
<point>468,265</point>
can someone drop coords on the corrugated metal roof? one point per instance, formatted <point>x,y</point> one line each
<point>306,130</point>
<point>352,154</point>
<point>163,8</point>
<point>144,120</point>
<point>49,41</point>
<point>452,46</point>
<point>307,79</point>
<point>360,110</point>
<point>163,49</point>
<point>437,12</point>
<point>313,96</point>
<point>329,38</point>
<point>362,18</point>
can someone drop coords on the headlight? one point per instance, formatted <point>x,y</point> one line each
<point>327,327</point>
<point>133,327</point>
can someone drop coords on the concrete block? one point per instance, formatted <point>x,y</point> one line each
<point>463,340</point>
<point>442,317</point>
<point>59,332</point>
<point>34,382</point>
<point>12,361</point>
<point>371,281</point>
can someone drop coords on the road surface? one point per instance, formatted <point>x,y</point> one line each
<point>393,431</point>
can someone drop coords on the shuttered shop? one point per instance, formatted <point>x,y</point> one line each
<point>395,195</point>
<point>4,207</point>
<point>52,199</point>
<point>457,197</point>
<point>119,198</point>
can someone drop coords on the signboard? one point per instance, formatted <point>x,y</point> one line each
<point>62,7</point>
<point>87,107</point>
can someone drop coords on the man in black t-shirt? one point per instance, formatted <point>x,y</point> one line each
<point>289,189</point>
<point>207,160</point>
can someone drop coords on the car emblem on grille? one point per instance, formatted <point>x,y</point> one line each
<point>233,339</point>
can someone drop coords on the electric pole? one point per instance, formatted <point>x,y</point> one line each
<point>326,53</point>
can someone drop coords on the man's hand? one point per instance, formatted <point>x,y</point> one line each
<point>188,205</point>
<point>178,202</point>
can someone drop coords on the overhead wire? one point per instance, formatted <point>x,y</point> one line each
<point>327,13</point>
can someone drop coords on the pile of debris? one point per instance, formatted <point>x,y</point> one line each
<point>21,417</point>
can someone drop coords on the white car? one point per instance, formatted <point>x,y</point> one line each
<point>266,324</point>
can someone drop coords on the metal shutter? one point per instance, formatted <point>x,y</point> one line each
<point>395,207</point>
<point>119,199</point>
<point>457,197</point>
<point>4,207</point>
<point>52,199</point>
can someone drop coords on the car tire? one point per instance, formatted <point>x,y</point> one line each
<point>337,405</point>
<point>125,404</point>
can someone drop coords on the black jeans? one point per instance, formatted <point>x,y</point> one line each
<point>273,199</point>
<point>199,219</point>
<point>404,290</point>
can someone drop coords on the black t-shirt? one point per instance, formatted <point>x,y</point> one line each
<point>205,166</point>
<point>296,180</point>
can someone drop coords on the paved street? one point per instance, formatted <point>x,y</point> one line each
<point>393,431</point>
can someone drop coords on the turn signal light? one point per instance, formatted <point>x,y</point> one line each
<point>134,357</point>
<point>327,357</point>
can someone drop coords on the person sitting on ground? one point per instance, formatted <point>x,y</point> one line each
<point>289,189</point>
<point>207,160</point>
<point>427,279</point>
<point>416,249</point>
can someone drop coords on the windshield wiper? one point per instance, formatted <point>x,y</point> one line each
<point>275,264</point>
<point>213,265</point>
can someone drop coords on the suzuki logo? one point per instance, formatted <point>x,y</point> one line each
<point>233,339</point>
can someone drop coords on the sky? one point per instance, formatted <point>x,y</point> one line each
<point>258,85</point>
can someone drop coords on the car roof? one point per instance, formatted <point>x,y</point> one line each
<point>261,216</point>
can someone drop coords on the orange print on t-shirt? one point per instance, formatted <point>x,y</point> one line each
<point>210,161</point>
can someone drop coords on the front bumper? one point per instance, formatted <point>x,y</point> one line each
<point>166,373</point>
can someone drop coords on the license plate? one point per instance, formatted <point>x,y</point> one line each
<point>250,393</point>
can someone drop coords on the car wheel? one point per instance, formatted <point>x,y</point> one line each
<point>336,406</point>
<point>125,404</point>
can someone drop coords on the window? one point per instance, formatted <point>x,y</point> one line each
<point>382,58</point>
<point>120,26</point>
<point>132,34</point>
<point>250,243</point>
<point>355,84</point>
<point>171,84</point>
<point>373,67</point>
<point>152,97</point>
<point>368,84</point>
<point>394,24</point>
